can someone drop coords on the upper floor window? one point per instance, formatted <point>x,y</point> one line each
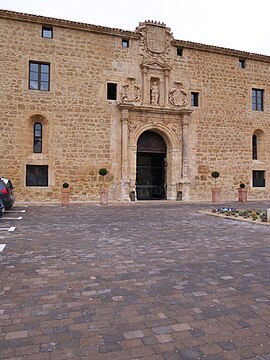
<point>194,101</point>
<point>242,63</point>
<point>47,32</point>
<point>37,138</point>
<point>39,76</point>
<point>125,43</point>
<point>111,91</point>
<point>179,51</point>
<point>257,99</point>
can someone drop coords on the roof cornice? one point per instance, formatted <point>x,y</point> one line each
<point>130,34</point>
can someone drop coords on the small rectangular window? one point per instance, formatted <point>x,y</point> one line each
<point>242,63</point>
<point>111,91</point>
<point>47,32</point>
<point>194,99</point>
<point>258,178</point>
<point>37,175</point>
<point>257,99</point>
<point>125,43</point>
<point>179,51</point>
<point>39,76</point>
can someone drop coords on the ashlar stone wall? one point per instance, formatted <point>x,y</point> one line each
<point>84,131</point>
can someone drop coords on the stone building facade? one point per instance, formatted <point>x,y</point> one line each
<point>160,114</point>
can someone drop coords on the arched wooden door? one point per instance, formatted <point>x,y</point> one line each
<point>151,169</point>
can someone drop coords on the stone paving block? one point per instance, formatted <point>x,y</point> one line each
<point>133,334</point>
<point>164,338</point>
<point>141,352</point>
<point>16,335</point>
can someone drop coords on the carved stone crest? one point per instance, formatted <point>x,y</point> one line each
<point>131,91</point>
<point>155,39</point>
<point>177,95</point>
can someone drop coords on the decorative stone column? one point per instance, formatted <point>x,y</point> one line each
<point>132,162</point>
<point>124,157</point>
<point>173,155</point>
<point>145,99</point>
<point>185,183</point>
<point>166,87</point>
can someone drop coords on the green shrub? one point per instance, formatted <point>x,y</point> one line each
<point>215,174</point>
<point>103,171</point>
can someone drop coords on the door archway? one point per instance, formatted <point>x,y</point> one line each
<point>151,166</point>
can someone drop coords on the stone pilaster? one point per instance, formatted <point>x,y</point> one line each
<point>166,87</point>
<point>145,99</point>
<point>124,157</point>
<point>185,183</point>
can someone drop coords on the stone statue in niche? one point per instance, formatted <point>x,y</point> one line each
<point>131,91</point>
<point>178,96</point>
<point>154,94</point>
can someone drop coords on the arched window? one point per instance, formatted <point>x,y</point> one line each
<point>254,147</point>
<point>37,138</point>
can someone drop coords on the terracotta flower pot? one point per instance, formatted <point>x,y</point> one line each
<point>242,194</point>
<point>65,196</point>
<point>104,196</point>
<point>216,195</point>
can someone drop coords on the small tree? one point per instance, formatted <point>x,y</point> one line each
<point>242,185</point>
<point>102,172</point>
<point>65,185</point>
<point>215,175</point>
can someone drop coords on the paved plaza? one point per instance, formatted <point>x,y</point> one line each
<point>149,280</point>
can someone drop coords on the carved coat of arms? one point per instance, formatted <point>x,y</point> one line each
<point>155,39</point>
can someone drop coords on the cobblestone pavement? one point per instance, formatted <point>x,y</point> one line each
<point>155,281</point>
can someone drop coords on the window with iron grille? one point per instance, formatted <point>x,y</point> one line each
<point>37,175</point>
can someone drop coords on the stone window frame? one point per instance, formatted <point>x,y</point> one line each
<point>37,175</point>
<point>257,99</point>
<point>47,32</point>
<point>36,75</point>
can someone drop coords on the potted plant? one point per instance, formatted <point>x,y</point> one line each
<point>65,194</point>
<point>242,193</point>
<point>216,190</point>
<point>103,191</point>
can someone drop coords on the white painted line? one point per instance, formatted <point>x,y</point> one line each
<point>12,228</point>
<point>10,218</point>
<point>16,211</point>
<point>2,246</point>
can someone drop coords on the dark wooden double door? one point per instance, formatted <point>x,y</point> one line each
<point>151,170</point>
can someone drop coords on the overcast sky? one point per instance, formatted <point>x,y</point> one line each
<point>235,24</point>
